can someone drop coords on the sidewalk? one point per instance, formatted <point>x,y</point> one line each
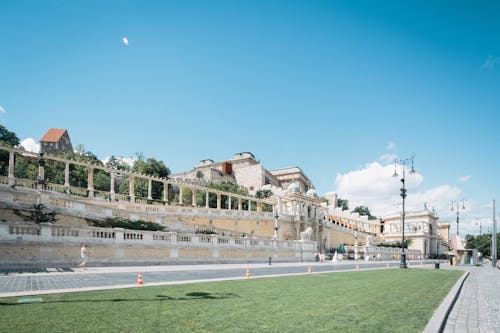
<point>477,308</point>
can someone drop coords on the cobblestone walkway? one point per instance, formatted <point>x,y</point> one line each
<point>477,309</point>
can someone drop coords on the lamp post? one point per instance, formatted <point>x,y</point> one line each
<point>276,217</point>
<point>478,222</point>
<point>494,239</point>
<point>403,196</point>
<point>456,203</point>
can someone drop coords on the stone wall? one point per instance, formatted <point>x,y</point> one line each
<point>46,245</point>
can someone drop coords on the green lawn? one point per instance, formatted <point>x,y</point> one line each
<point>390,300</point>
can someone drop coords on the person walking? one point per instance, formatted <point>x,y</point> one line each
<point>84,254</point>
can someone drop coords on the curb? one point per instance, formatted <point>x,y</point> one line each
<point>440,316</point>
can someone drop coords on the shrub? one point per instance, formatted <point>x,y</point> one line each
<point>115,222</point>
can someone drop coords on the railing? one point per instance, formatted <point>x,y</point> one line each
<point>10,231</point>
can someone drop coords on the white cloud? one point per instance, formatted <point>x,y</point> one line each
<point>464,179</point>
<point>30,144</point>
<point>125,41</point>
<point>374,186</point>
<point>391,145</point>
<point>491,62</point>
<point>2,110</point>
<point>388,158</point>
<point>127,160</point>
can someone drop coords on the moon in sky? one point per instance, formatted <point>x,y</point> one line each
<point>125,41</point>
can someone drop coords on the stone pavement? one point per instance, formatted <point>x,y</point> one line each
<point>98,278</point>
<point>477,309</point>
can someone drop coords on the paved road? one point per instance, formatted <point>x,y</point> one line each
<point>97,278</point>
<point>477,309</point>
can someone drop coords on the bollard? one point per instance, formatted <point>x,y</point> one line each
<point>270,259</point>
<point>436,265</point>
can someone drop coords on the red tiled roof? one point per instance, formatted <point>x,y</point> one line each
<point>53,135</point>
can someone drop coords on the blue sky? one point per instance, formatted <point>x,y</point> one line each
<point>337,88</point>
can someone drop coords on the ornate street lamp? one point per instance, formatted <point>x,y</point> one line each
<point>276,217</point>
<point>456,204</point>
<point>403,196</point>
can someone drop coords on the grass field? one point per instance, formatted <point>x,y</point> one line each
<point>390,300</point>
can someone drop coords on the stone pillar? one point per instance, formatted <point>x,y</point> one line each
<point>229,204</point>
<point>12,181</point>
<point>90,181</point>
<point>240,206</point>
<point>45,231</point>
<point>66,176</point>
<point>165,192</point>
<point>131,188</point>
<point>112,186</point>
<point>206,199</point>
<point>118,235</point>
<point>259,206</point>
<point>41,172</point>
<point>181,199</point>
<point>150,187</point>
<point>249,205</point>
<point>218,201</point>
<point>193,198</point>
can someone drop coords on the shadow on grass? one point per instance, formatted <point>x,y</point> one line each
<point>187,297</point>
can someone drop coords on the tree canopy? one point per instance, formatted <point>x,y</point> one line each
<point>363,210</point>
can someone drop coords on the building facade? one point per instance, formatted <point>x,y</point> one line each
<point>55,141</point>
<point>422,230</point>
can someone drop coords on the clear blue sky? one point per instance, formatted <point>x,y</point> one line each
<point>325,85</point>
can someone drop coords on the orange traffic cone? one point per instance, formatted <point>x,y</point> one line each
<point>247,274</point>
<point>309,269</point>
<point>139,280</point>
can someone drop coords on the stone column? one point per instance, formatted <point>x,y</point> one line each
<point>150,186</point>
<point>259,206</point>
<point>218,201</point>
<point>240,206</point>
<point>131,188</point>
<point>181,200</point>
<point>41,171</point>
<point>66,176</point>
<point>90,181</point>
<point>12,180</point>
<point>229,204</point>
<point>249,205</point>
<point>206,199</point>
<point>193,198</point>
<point>112,186</point>
<point>165,192</point>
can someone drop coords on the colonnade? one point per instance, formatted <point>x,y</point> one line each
<point>111,195</point>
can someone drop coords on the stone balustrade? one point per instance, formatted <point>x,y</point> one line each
<point>24,244</point>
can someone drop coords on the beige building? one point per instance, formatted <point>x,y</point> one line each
<point>422,228</point>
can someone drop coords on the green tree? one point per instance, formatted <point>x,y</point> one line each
<point>363,210</point>
<point>343,203</point>
<point>38,215</point>
<point>7,138</point>
<point>263,194</point>
<point>151,167</point>
<point>482,243</point>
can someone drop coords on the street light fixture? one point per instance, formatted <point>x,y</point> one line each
<point>403,196</point>
<point>276,217</point>
<point>456,204</point>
